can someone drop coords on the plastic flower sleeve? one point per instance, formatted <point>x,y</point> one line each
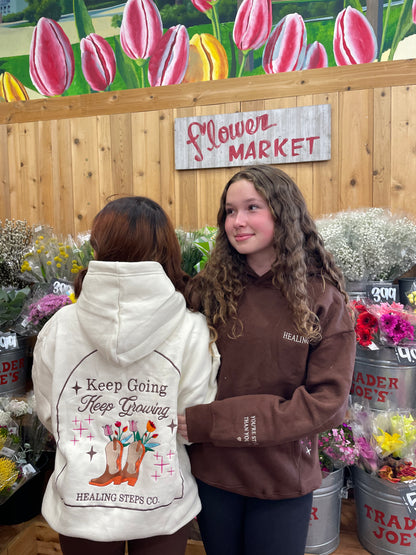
<point>39,308</point>
<point>23,438</point>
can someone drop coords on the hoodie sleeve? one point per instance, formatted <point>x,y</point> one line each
<point>317,404</point>
<point>42,376</point>
<point>198,383</point>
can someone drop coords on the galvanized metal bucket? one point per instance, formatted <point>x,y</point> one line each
<point>385,378</point>
<point>384,524</point>
<point>323,535</point>
<point>15,367</point>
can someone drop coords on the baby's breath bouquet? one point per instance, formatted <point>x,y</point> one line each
<point>15,239</point>
<point>370,244</point>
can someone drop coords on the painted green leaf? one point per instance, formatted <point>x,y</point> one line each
<point>126,67</point>
<point>356,4</point>
<point>83,21</point>
<point>404,24</point>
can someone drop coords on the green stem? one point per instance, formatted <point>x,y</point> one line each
<point>216,23</point>
<point>383,36</point>
<point>243,61</point>
<point>141,63</point>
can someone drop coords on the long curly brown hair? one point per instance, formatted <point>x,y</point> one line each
<point>299,252</point>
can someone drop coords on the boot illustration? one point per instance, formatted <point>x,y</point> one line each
<point>113,453</point>
<point>134,459</point>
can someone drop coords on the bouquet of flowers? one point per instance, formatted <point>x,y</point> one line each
<point>22,440</point>
<point>15,239</point>
<point>370,244</point>
<point>336,448</point>
<point>40,307</point>
<point>386,443</point>
<point>52,257</point>
<point>387,324</point>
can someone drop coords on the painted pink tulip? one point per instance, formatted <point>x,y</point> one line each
<point>285,48</point>
<point>51,59</point>
<point>98,62</point>
<point>315,56</point>
<point>253,24</point>
<point>354,39</point>
<point>169,62</point>
<point>203,5</point>
<point>141,29</point>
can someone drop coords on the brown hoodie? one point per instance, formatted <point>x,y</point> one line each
<point>275,394</point>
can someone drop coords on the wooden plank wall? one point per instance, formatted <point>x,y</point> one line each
<point>62,158</point>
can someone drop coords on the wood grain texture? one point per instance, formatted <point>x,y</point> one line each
<point>61,159</point>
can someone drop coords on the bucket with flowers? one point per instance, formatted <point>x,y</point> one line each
<point>385,479</point>
<point>336,451</point>
<point>385,363</point>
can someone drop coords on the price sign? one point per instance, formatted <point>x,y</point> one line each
<point>8,341</point>
<point>60,287</point>
<point>406,356</point>
<point>382,292</point>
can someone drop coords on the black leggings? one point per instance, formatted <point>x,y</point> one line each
<point>233,524</point>
<point>174,544</point>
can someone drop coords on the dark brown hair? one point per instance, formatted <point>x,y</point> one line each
<point>135,229</point>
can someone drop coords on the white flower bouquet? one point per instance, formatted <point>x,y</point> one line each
<point>370,244</point>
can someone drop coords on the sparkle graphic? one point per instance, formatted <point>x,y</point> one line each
<point>170,454</point>
<point>74,440</point>
<point>161,464</point>
<point>172,426</point>
<point>155,476</point>
<point>76,388</point>
<point>91,453</point>
<point>80,429</point>
<point>89,419</point>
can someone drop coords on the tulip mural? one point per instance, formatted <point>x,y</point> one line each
<point>207,59</point>
<point>354,39</point>
<point>262,37</point>
<point>51,59</point>
<point>141,31</point>
<point>168,64</point>
<point>286,47</point>
<point>11,89</point>
<point>252,26</point>
<point>98,62</point>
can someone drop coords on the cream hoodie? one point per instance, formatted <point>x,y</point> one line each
<point>111,373</point>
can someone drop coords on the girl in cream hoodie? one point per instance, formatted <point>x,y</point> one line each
<point>111,374</point>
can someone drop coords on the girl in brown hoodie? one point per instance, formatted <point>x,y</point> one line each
<point>276,304</point>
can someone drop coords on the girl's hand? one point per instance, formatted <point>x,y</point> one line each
<point>182,427</point>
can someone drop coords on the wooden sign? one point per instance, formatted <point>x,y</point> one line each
<point>289,135</point>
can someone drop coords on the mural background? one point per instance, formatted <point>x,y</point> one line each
<point>60,47</point>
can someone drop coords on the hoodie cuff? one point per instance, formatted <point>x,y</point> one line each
<point>199,423</point>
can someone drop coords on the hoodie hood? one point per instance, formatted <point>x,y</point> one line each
<point>128,309</point>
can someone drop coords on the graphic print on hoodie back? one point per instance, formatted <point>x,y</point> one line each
<point>126,429</point>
